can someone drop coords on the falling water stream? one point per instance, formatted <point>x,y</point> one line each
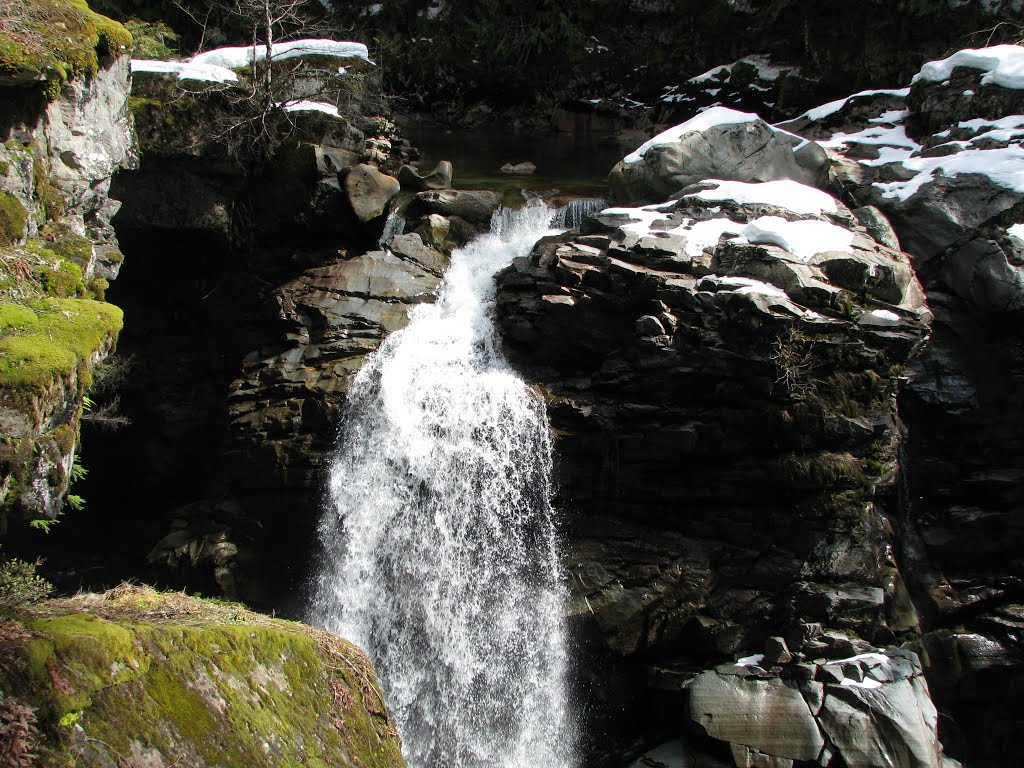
<point>440,546</point>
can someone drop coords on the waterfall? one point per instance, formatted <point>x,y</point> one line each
<point>440,545</point>
<point>394,224</point>
<point>572,214</point>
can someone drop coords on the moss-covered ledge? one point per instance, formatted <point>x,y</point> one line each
<point>136,676</point>
<point>56,40</point>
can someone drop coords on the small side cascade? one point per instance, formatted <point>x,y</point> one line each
<point>572,214</point>
<point>393,225</point>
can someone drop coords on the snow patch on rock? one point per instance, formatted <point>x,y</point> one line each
<point>825,110</point>
<point>784,193</point>
<point>1004,166</point>
<point>1002,65</point>
<point>243,56</point>
<point>210,73</point>
<point>702,122</point>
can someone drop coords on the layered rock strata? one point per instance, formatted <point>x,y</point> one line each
<point>721,372</point>
<point>941,158</point>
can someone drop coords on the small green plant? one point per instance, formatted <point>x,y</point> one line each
<point>69,719</point>
<point>75,501</point>
<point>43,524</point>
<point>20,584</point>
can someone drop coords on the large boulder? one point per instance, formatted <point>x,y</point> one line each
<point>136,677</point>
<point>763,714</point>
<point>413,180</point>
<point>720,143</point>
<point>475,206</point>
<point>869,709</point>
<point>369,191</point>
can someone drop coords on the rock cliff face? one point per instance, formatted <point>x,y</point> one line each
<point>65,132</point>
<point>141,678</point>
<point>762,435</point>
<point>942,160</point>
<point>284,280</point>
<point>722,372</point>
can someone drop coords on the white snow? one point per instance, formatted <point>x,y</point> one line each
<point>803,239</point>
<point>237,57</point>
<point>785,193</point>
<point>895,136</point>
<point>743,286</point>
<point>1004,166</point>
<point>210,73</point>
<point>892,116</point>
<point>1004,129</point>
<point>1017,230</point>
<point>879,317</point>
<point>699,234</point>
<point>1003,65</point>
<point>706,234</point>
<point>643,219</point>
<point>304,105</point>
<point>759,61</point>
<point>880,658</point>
<point>820,113</point>
<point>708,118</point>
<point>867,683</point>
<point>885,314</point>
<point>750,661</point>
<point>1010,121</point>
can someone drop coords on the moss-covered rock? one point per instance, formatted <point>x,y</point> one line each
<point>13,217</point>
<point>167,679</point>
<point>51,338</point>
<point>56,40</point>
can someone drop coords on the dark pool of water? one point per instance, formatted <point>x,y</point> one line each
<point>573,163</point>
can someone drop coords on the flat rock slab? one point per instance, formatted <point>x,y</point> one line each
<point>764,715</point>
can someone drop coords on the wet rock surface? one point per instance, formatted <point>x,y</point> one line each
<point>940,160</point>
<point>723,391</point>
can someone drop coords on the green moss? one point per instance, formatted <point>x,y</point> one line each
<point>98,288</point>
<point>46,193</point>
<point>151,40</point>
<point>67,244</point>
<point>201,683</point>
<point>77,656</point>
<point>65,437</point>
<point>57,40</point>
<point>64,280</point>
<point>13,218</point>
<point>52,338</point>
<point>139,103</point>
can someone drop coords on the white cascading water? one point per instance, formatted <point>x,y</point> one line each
<point>440,551</point>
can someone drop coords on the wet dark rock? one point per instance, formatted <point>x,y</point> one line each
<point>776,651</point>
<point>439,178</point>
<point>473,206</point>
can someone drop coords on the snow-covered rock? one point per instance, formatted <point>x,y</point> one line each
<point>719,143</point>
